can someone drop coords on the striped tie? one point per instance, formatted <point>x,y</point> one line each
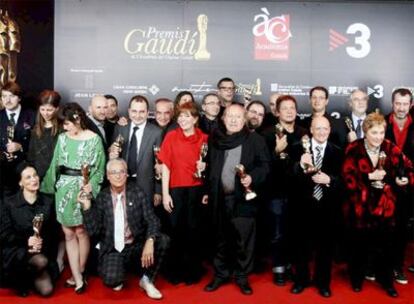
<point>317,190</point>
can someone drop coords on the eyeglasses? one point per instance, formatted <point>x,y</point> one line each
<point>227,88</point>
<point>116,172</point>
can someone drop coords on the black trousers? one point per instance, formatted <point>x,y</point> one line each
<point>113,265</point>
<point>235,244</point>
<point>376,244</point>
<point>184,260</point>
<point>314,235</point>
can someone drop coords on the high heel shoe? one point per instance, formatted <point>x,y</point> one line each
<point>70,283</point>
<point>81,289</point>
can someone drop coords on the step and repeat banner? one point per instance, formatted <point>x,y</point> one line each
<point>159,48</point>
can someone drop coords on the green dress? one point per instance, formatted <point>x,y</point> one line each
<point>73,153</point>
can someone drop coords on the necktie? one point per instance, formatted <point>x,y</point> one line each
<point>119,224</point>
<point>133,153</point>
<point>12,120</point>
<point>317,190</point>
<point>358,129</point>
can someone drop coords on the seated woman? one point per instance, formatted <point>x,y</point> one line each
<point>372,175</point>
<point>29,258</point>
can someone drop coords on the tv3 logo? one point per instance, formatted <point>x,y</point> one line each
<point>361,47</point>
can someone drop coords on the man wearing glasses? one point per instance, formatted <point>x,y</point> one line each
<point>226,91</point>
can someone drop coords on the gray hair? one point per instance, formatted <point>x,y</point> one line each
<point>120,160</point>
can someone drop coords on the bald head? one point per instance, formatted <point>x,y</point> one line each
<point>98,107</point>
<point>234,118</point>
<point>320,129</point>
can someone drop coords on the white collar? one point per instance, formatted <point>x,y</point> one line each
<point>16,111</point>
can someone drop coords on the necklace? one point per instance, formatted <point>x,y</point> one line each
<point>371,152</point>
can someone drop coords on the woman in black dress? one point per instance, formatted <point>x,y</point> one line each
<point>29,259</point>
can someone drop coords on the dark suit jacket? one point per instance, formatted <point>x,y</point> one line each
<point>22,131</point>
<point>94,128</point>
<point>145,158</point>
<point>302,200</point>
<point>99,219</point>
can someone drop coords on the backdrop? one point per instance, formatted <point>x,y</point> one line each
<point>158,48</point>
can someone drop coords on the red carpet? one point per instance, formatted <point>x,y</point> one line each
<point>264,291</point>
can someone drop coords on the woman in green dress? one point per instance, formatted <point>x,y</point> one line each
<point>75,148</point>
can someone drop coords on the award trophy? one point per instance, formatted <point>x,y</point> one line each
<point>37,226</point>
<point>280,132</point>
<point>379,184</point>
<point>10,137</point>
<point>202,52</point>
<point>348,123</point>
<point>119,141</point>
<point>249,194</point>
<point>157,150</point>
<point>306,144</point>
<point>203,153</point>
<point>85,176</point>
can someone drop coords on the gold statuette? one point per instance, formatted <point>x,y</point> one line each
<point>202,53</point>
<point>37,226</point>
<point>203,153</point>
<point>249,194</point>
<point>280,132</point>
<point>85,176</point>
<point>379,184</point>
<point>306,144</point>
<point>156,150</point>
<point>348,123</point>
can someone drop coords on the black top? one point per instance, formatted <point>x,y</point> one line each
<point>207,125</point>
<point>41,149</point>
<point>16,227</point>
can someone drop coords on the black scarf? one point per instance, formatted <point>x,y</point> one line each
<point>223,141</point>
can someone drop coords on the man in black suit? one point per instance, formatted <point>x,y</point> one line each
<point>400,131</point>
<point>123,220</point>
<point>233,215</point>
<point>313,207</point>
<point>344,132</point>
<point>15,128</point>
<point>139,139</point>
<point>96,121</point>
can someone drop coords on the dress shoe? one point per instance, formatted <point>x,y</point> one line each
<point>245,287</point>
<point>23,293</point>
<point>325,292</point>
<point>391,292</point>
<point>297,288</point>
<point>150,289</point>
<point>357,288</point>
<point>118,287</point>
<point>279,279</point>
<point>215,284</point>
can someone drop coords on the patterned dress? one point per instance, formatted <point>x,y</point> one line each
<point>73,153</point>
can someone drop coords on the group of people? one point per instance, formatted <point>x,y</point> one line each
<point>222,183</point>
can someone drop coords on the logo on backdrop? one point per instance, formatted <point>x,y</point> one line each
<point>198,90</point>
<point>377,91</point>
<point>290,89</point>
<point>137,89</point>
<point>361,45</point>
<point>271,36</point>
<point>177,44</point>
<point>341,90</point>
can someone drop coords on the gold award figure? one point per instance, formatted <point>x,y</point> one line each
<point>156,150</point>
<point>37,227</point>
<point>202,53</point>
<point>203,154</point>
<point>306,144</point>
<point>379,184</point>
<point>280,132</point>
<point>85,176</point>
<point>249,194</point>
<point>258,87</point>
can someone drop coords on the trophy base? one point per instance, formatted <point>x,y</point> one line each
<point>250,195</point>
<point>310,170</point>
<point>378,185</point>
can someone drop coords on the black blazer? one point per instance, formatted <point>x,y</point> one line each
<point>22,131</point>
<point>99,219</point>
<point>90,125</point>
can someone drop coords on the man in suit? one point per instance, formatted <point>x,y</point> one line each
<point>96,121</point>
<point>358,102</point>
<point>139,139</point>
<point>124,222</point>
<point>400,131</point>
<point>313,207</point>
<point>15,128</point>
<point>210,105</point>
<point>233,215</point>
